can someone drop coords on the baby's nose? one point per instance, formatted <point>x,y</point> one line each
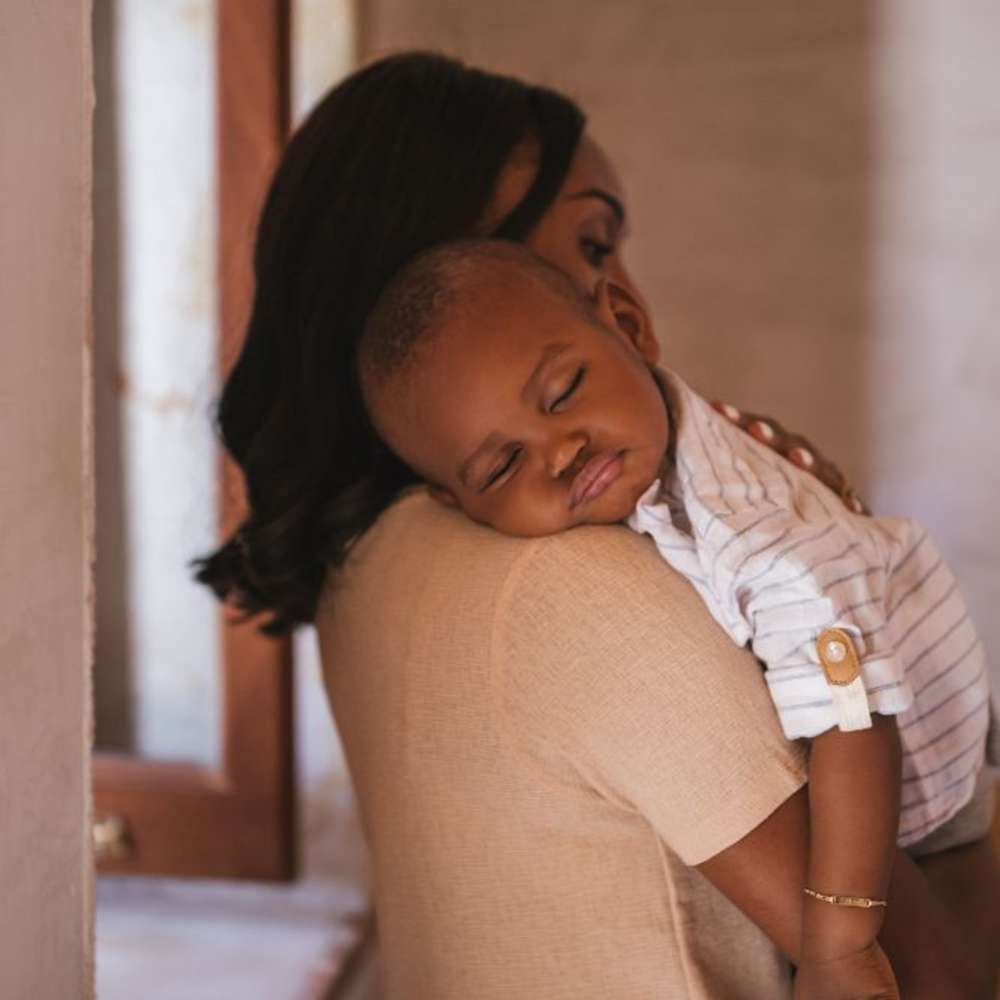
<point>564,453</point>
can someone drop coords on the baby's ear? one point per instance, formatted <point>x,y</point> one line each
<point>443,495</point>
<point>622,312</point>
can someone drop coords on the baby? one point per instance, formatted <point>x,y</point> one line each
<point>535,409</point>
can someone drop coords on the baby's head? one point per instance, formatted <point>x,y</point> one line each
<point>519,400</point>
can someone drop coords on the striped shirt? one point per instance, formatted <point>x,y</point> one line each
<point>777,559</point>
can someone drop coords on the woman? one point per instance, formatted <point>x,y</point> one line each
<point>547,737</point>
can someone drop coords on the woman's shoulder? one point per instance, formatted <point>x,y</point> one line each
<point>416,521</point>
<point>585,572</point>
<point>605,570</point>
<point>419,537</point>
<point>602,601</point>
<point>599,558</point>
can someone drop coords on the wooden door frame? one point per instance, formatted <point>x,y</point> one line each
<point>237,821</point>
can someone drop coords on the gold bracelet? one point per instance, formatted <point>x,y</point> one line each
<point>862,902</point>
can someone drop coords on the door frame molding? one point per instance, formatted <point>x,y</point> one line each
<point>236,821</point>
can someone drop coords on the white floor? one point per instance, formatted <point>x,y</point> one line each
<point>173,939</point>
<point>165,939</point>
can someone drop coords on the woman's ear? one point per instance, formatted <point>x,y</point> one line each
<point>622,312</point>
<point>443,495</point>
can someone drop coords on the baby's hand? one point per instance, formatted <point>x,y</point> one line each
<point>861,975</point>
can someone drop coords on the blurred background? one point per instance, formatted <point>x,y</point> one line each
<point>815,222</point>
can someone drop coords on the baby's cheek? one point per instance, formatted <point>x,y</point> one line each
<point>535,524</point>
<point>618,508</point>
<point>536,520</point>
<point>500,514</point>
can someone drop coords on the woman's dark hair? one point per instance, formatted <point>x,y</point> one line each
<point>403,154</point>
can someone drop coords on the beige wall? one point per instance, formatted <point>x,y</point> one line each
<point>815,216</point>
<point>45,901</point>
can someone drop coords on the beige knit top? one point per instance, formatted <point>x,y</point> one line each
<point>542,735</point>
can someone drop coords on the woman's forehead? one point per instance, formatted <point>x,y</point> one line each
<point>513,184</point>
<point>590,168</point>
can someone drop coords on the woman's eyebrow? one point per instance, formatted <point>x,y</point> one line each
<point>609,199</point>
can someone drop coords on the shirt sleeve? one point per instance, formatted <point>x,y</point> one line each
<point>792,593</point>
<point>608,661</point>
<point>779,583</point>
<point>779,562</point>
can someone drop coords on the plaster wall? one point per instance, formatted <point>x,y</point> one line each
<point>45,508</point>
<point>815,219</point>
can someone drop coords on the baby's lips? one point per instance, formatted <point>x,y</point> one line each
<point>594,471</point>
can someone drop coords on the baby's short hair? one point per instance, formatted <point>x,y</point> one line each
<point>431,287</point>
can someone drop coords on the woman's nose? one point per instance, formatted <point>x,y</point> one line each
<point>564,452</point>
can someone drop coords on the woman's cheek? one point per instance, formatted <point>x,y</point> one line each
<point>571,260</point>
<point>617,271</point>
<point>584,276</point>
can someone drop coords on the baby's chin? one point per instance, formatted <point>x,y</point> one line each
<point>612,515</point>
<point>616,505</point>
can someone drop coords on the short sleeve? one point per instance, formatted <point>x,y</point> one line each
<point>779,561</point>
<point>802,580</point>
<point>607,657</point>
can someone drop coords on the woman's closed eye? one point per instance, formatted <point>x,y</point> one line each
<point>567,393</point>
<point>595,251</point>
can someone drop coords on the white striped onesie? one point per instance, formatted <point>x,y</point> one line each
<point>777,559</point>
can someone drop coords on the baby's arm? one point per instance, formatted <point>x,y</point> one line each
<point>854,789</point>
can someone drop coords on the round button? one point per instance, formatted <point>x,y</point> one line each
<point>836,651</point>
<point>837,657</point>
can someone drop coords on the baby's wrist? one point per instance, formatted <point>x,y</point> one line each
<point>830,932</point>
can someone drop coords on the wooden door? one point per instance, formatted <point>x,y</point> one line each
<point>235,821</point>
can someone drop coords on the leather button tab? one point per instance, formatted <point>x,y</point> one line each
<point>837,655</point>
